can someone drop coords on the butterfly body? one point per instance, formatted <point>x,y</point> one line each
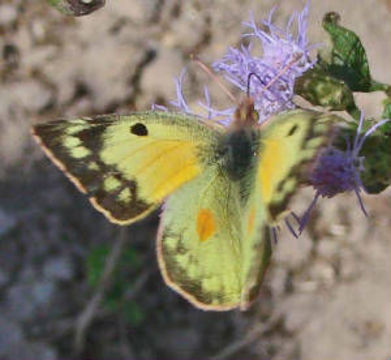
<point>238,150</point>
<point>221,187</point>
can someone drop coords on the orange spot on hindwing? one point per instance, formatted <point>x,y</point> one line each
<point>206,225</point>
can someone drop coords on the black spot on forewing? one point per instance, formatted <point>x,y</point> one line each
<point>139,129</point>
<point>293,130</point>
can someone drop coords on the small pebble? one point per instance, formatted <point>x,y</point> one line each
<point>58,268</point>
<point>8,14</point>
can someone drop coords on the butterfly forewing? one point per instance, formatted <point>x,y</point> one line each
<point>288,143</point>
<point>128,164</point>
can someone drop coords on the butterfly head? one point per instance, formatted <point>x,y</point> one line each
<point>245,114</point>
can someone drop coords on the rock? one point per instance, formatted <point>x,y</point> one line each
<point>8,14</point>
<point>43,292</point>
<point>322,273</point>
<point>10,335</point>
<point>3,278</point>
<point>328,248</point>
<point>31,351</point>
<point>59,268</point>
<point>292,252</point>
<point>26,299</point>
<point>158,78</point>
<point>349,267</point>
<point>278,281</point>
<point>31,95</point>
<point>140,12</point>
<point>185,341</point>
<point>19,302</point>
<point>7,222</point>
<point>38,31</point>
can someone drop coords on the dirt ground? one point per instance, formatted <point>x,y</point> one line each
<point>327,295</point>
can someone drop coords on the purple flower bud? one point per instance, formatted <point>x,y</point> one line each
<point>338,171</point>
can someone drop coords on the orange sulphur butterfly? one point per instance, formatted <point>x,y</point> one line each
<point>221,187</point>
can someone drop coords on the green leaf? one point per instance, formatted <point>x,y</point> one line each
<point>121,283</point>
<point>77,7</point>
<point>114,297</point>
<point>131,257</point>
<point>347,59</point>
<point>321,89</point>
<point>387,115</point>
<point>375,154</point>
<point>95,264</point>
<point>377,162</point>
<point>387,109</point>
<point>133,313</point>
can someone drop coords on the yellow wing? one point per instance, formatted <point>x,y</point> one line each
<point>288,143</point>
<point>200,241</point>
<point>128,164</point>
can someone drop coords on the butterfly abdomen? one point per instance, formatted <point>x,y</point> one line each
<point>238,151</point>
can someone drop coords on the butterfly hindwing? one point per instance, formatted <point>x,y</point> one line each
<point>257,248</point>
<point>199,241</point>
<point>128,164</point>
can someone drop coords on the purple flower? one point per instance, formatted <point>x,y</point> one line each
<point>269,78</point>
<point>338,171</point>
<point>285,57</point>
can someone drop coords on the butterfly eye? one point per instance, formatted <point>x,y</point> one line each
<point>292,130</point>
<point>139,129</point>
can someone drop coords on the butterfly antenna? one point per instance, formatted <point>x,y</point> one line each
<point>267,86</point>
<point>249,79</point>
<point>213,76</point>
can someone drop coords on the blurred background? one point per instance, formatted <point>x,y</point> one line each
<point>327,294</point>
